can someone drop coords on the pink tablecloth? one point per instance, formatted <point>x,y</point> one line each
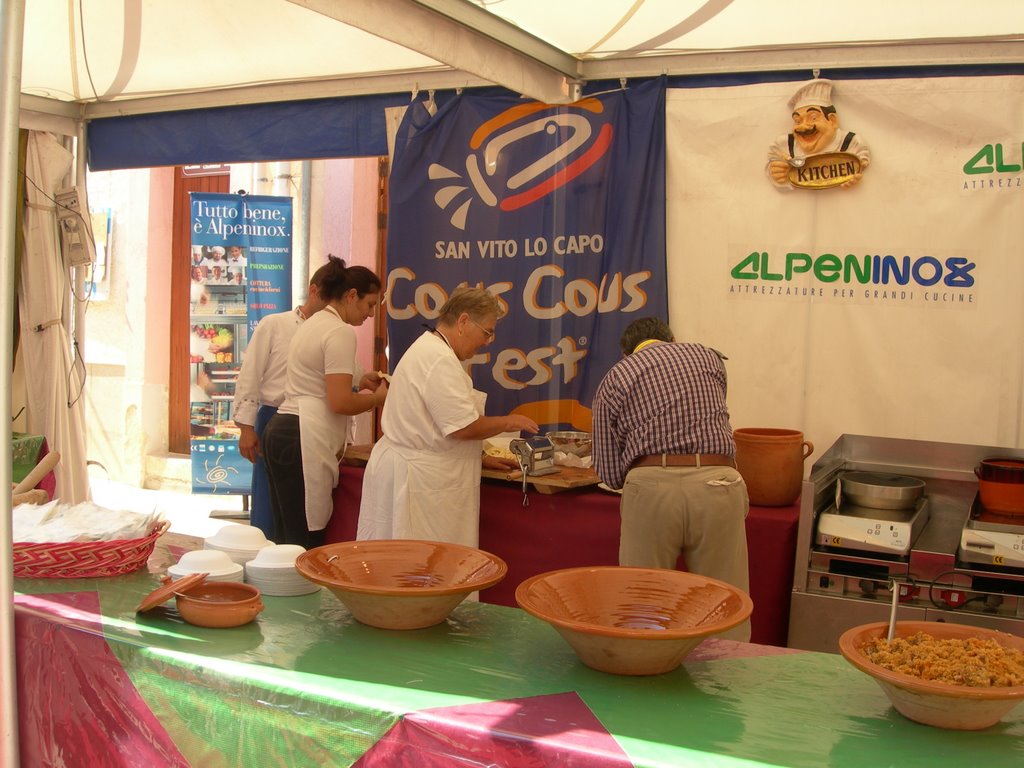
<point>49,481</point>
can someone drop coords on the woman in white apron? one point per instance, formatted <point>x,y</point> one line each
<point>302,442</point>
<point>422,480</point>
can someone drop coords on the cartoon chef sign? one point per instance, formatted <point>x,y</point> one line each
<point>816,155</point>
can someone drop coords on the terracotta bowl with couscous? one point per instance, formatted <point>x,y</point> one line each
<point>941,674</point>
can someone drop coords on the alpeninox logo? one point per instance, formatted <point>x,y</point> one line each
<point>992,158</point>
<point>863,269</point>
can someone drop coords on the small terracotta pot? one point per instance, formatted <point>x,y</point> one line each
<point>219,604</point>
<point>771,462</point>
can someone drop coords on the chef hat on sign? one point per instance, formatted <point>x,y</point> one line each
<point>815,93</point>
<point>217,249</point>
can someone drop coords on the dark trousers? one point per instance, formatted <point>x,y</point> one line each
<point>282,454</point>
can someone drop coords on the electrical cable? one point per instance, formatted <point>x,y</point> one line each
<point>945,606</point>
<point>76,361</point>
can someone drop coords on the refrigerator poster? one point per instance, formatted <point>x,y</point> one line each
<point>558,210</point>
<point>241,271</point>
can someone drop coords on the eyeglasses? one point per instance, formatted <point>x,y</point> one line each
<point>487,331</point>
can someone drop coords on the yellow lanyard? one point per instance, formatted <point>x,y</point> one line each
<point>644,344</point>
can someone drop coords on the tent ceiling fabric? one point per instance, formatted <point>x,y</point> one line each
<point>115,57</point>
<point>601,28</point>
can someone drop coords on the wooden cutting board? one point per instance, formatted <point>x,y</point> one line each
<point>564,479</point>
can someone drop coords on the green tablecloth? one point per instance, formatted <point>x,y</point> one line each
<point>306,685</point>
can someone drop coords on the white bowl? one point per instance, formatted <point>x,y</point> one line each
<point>277,556</point>
<point>205,561</point>
<point>240,556</point>
<point>280,582</point>
<point>218,565</point>
<point>237,536</point>
<point>235,574</point>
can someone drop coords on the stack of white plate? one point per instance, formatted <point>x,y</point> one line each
<point>218,565</point>
<point>273,572</point>
<point>239,542</point>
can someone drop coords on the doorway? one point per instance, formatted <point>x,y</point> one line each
<point>185,183</point>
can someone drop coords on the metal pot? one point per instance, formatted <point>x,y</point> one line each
<point>879,490</point>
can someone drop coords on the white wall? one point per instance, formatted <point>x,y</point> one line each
<point>127,331</point>
<point>345,224</point>
<point>935,363</point>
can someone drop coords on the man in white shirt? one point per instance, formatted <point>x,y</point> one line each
<point>260,390</point>
<point>236,265</point>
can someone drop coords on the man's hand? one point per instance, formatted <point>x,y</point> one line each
<point>248,443</point>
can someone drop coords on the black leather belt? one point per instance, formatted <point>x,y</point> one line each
<point>684,460</point>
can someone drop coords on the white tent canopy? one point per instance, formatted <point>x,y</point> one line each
<point>87,59</point>
<point>100,58</point>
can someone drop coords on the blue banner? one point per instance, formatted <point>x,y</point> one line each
<point>558,210</point>
<point>241,271</point>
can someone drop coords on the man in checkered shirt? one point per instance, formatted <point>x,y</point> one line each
<point>662,434</point>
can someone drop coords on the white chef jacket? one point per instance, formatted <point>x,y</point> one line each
<point>324,344</point>
<point>209,263</point>
<point>419,482</point>
<point>264,371</point>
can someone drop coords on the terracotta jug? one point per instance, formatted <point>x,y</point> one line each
<point>771,462</point>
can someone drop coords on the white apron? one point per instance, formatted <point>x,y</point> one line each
<point>419,494</point>
<point>323,436</point>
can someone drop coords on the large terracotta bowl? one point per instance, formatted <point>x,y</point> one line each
<point>943,705</point>
<point>401,583</point>
<point>633,621</point>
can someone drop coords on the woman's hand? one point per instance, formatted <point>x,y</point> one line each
<point>499,464</point>
<point>370,381</point>
<point>518,423</point>
<point>380,393</point>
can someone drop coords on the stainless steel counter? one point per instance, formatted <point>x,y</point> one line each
<point>838,583</point>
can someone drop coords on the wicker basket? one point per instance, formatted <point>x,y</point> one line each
<point>82,560</point>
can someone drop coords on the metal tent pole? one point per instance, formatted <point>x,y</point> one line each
<point>12,29</point>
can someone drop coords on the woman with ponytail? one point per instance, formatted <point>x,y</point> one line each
<point>302,443</point>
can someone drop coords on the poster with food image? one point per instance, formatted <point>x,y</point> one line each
<point>241,266</point>
<point>211,343</point>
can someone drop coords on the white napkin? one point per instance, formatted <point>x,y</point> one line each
<point>57,523</point>
<point>572,460</point>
